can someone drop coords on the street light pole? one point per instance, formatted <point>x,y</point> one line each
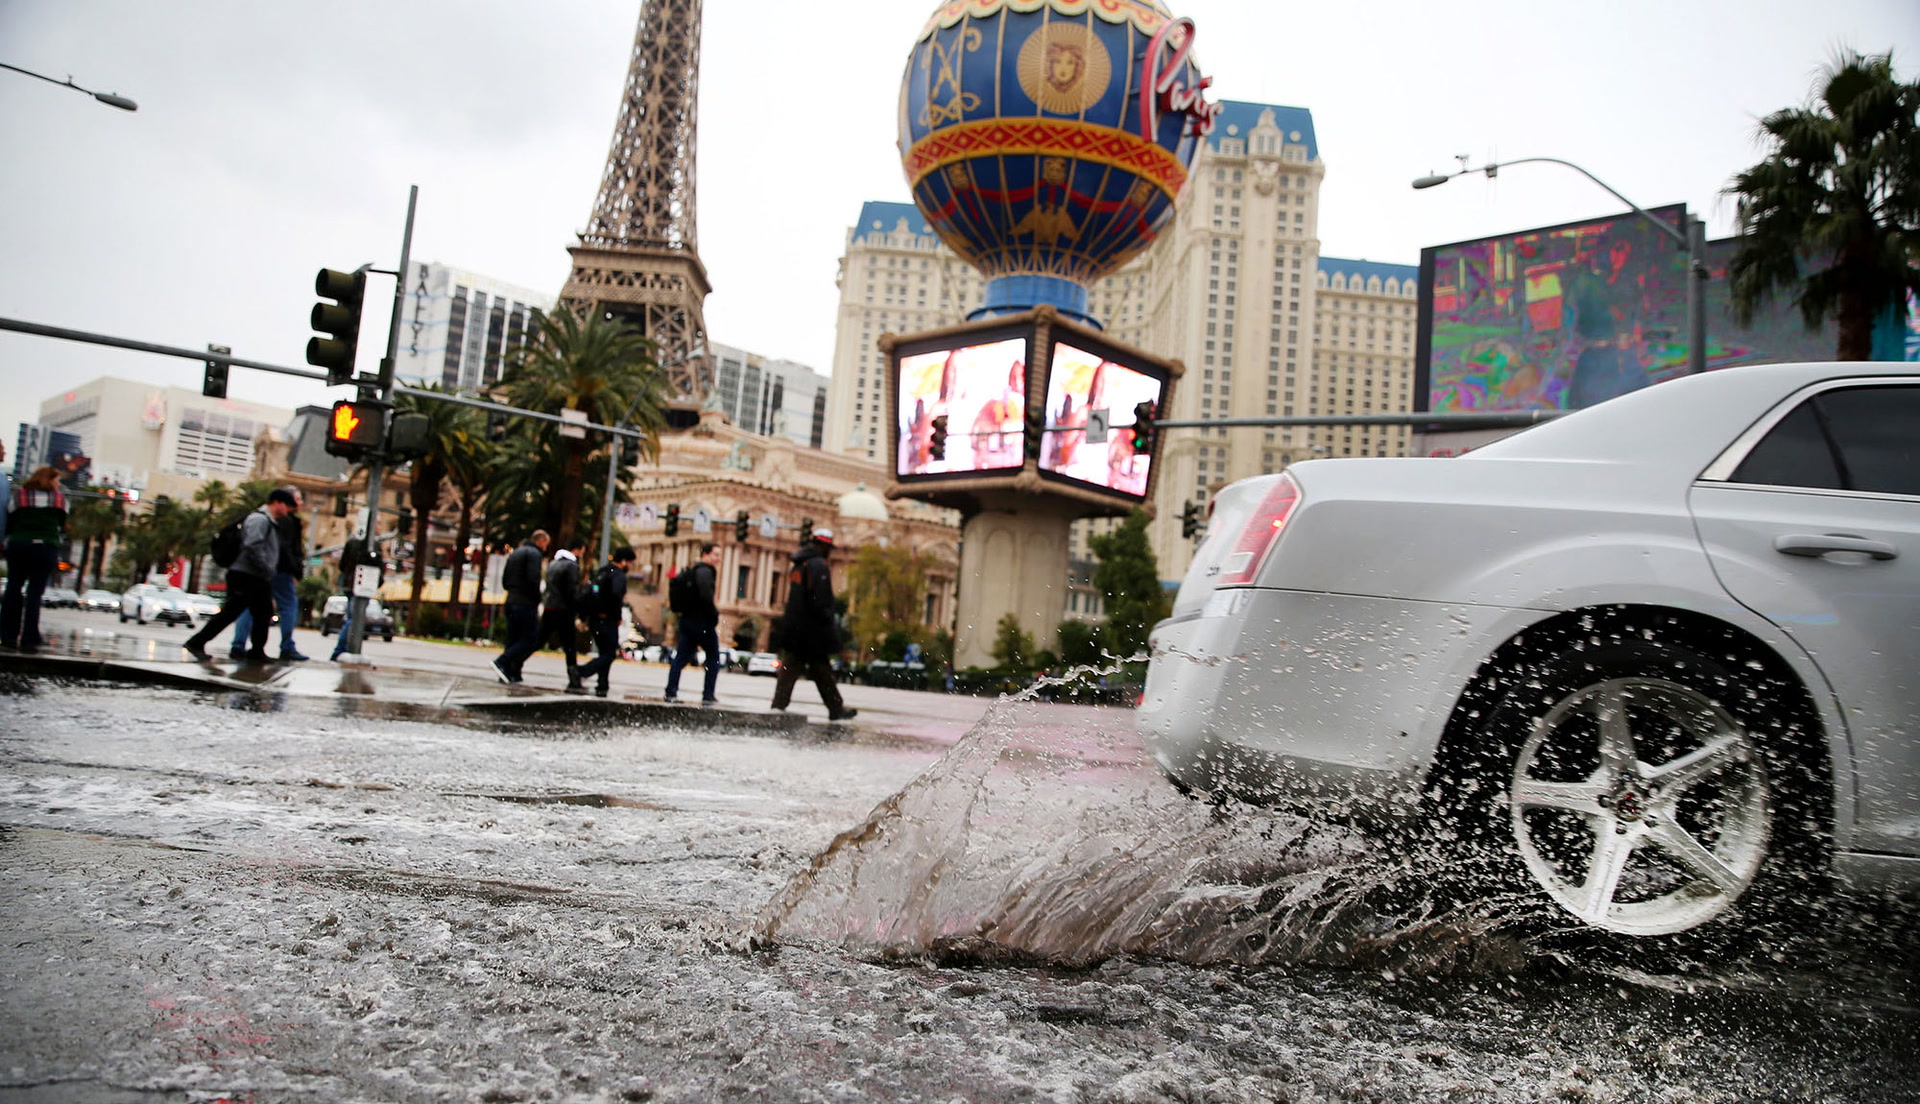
<point>1691,240</point>
<point>108,98</point>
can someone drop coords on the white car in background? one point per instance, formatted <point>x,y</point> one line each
<point>166,605</point>
<point>1658,659</point>
<point>99,600</point>
<point>763,663</point>
<point>204,606</point>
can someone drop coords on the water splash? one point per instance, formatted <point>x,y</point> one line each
<point>1048,834</point>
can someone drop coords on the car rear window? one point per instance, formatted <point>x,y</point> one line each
<point>1853,439</point>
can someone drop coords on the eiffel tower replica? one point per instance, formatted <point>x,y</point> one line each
<point>637,260</point>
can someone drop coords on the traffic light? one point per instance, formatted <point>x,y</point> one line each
<point>740,527</point>
<point>673,519</point>
<point>806,530</point>
<point>406,521</point>
<point>937,448</point>
<point>410,439</point>
<point>214,386</point>
<point>340,506</point>
<point>496,428</point>
<point>1144,415</point>
<point>1190,520</point>
<point>629,452</point>
<point>355,429</point>
<point>340,320</point>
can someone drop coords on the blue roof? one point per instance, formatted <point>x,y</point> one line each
<point>1336,266</point>
<point>1238,117</point>
<point>881,218</point>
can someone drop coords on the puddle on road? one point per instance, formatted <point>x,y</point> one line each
<point>1045,835</point>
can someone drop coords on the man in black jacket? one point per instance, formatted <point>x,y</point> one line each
<point>521,580</point>
<point>557,613</point>
<point>699,624</point>
<point>609,600</point>
<point>808,634</point>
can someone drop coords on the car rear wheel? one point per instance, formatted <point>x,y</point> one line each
<point>1637,785</point>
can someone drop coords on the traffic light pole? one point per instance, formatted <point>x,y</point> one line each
<point>383,394</point>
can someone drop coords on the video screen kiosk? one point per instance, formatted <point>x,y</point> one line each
<point>1009,411</point>
<point>1093,390</point>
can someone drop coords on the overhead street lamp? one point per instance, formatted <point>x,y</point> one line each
<point>1692,242</point>
<point>108,98</point>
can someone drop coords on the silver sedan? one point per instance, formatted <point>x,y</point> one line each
<point>1659,659</point>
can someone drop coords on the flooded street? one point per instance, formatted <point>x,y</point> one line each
<point>224,896</point>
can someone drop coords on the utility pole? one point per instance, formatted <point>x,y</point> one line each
<point>382,388</point>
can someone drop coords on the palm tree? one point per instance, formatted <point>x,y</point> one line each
<point>599,366</point>
<point>214,496</point>
<point>452,429</point>
<point>1839,193</point>
<point>92,520</point>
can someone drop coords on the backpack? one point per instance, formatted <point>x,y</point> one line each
<point>597,597</point>
<point>226,542</point>
<point>683,594</point>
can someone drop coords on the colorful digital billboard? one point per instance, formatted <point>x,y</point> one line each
<point>1557,318</point>
<point>979,388</point>
<point>1089,388</point>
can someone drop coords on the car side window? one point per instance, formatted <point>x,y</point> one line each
<point>1876,431</point>
<point>1855,439</point>
<point>1794,453</point>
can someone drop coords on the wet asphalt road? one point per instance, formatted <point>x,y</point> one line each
<point>219,896</point>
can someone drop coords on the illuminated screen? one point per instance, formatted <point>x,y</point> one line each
<point>982,392</point>
<point>1552,319</point>
<point>1085,387</point>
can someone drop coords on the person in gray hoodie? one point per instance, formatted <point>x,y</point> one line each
<point>250,579</point>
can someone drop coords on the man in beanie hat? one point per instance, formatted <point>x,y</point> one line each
<point>808,633</point>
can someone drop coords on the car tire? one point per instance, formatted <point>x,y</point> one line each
<point>123,617</point>
<point>1654,788</point>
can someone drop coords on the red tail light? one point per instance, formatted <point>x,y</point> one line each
<point>1242,563</point>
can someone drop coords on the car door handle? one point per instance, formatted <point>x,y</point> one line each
<point>1812,544</point>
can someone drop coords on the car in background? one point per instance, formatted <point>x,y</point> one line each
<point>1654,661</point>
<point>104,601</point>
<point>166,605</point>
<point>763,663</point>
<point>379,620</point>
<point>204,606</point>
<point>60,598</point>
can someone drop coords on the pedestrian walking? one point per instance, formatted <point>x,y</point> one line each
<point>353,553</point>
<point>521,580</point>
<point>690,598</point>
<point>602,606</point>
<point>36,530</point>
<point>286,587</point>
<point>250,579</point>
<point>557,609</point>
<point>808,632</point>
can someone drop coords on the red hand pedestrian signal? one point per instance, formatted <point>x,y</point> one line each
<point>355,429</point>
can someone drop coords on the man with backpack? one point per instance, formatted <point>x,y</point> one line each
<point>249,577</point>
<point>690,598</point>
<point>808,632</point>
<point>601,605</point>
<point>286,587</point>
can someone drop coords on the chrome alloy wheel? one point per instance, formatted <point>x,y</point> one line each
<point>1641,806</point>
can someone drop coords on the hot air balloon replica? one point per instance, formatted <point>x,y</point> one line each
<point>1047,142</point>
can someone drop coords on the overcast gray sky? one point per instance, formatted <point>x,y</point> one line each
<point>277,137</point>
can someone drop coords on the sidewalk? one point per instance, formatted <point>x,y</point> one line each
<point>432,680</point>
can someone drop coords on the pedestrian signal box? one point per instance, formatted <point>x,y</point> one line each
<point>355,429</point>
